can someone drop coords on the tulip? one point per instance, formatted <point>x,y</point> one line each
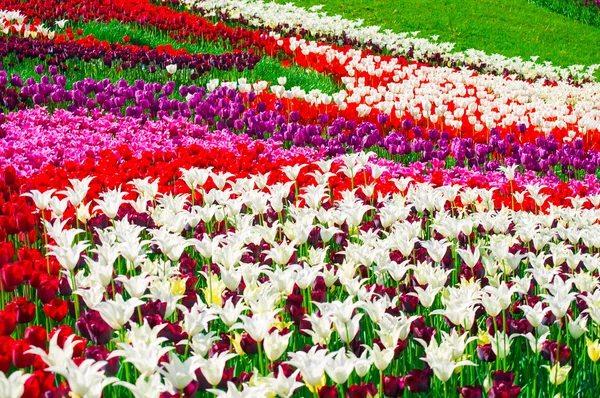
<point>419,380</point>
<point>470,392</point>
<point>558,374</point>
<point>13,386</point>
<point>35,336</point>
<point>118,312</point>
<point>275,344</point>
<point>8,322</point>
<point>23,309</point>
<point>145,388</point>
<point>593,349</point>
<point>180,374</point>
<point>393,386</point>
<point>56,309</point>
<point>212,368</point>
<point>311,364</point>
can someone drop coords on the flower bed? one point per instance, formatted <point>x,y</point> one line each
<point>425,231</point>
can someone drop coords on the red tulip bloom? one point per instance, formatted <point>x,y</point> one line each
<point>12,276</point>
<point>23,309</point>
<point>25,222</point>
<point>8,322</point>
<point>7,252</point>
<point>45,381</point>
<point>64,332</point>
<point>5,361</point>
<point>328,392</point>
<point>20,359</point>
<point>56,309</point>
<point>47,289</point>
<point>36,336</point>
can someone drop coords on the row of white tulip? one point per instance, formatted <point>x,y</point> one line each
<point>476,101</point>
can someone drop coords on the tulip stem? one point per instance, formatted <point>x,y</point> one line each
<point>261,364</point>
<point>535,366</point>
<point>127,376</point>
<point>557,361</point>
<point>504,330</point>
<point>497,342</point>
<point>45,250</point>
<point>75,296</point>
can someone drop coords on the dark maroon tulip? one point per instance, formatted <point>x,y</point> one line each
<point>470,392</point>
<point>361,391</point>
<point>328,392</point>
<point>419,380</point>
<point>485,353</point>
<point>393,386</point>
<point>549,349</point>
<point>100,353</point>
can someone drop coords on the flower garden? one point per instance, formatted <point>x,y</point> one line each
<point>243,199</point>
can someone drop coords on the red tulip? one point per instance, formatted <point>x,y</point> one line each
<point>36,336</point>
<point>7,252</point>
<point>47,289</point>
<point>328,392</point>
<point>12,276</point>
<point>25,222</point>
<point>32,388</point>
<point>361,391</point>
<point>5,363</point>
<point>10,176</point>
<point>56,309</point>
<point>23,308</point>
<point>45,382</point>
<point>8,322</point>
<point>20,359</point>
<point>25,253</point>
<point>64,332</point>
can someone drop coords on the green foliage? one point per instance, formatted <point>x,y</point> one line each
<point>114,32</point>
<point>573,9</point>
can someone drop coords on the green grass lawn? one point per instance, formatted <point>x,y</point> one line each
<point>507,27</point>
<point>573,9</point>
